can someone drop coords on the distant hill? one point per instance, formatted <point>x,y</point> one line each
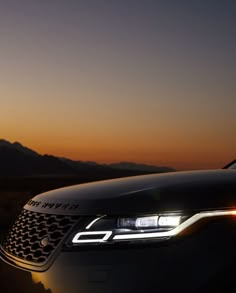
<point>18,160</point>
<point>140,167</point>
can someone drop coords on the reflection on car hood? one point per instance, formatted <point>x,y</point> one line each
<point>154,193</point>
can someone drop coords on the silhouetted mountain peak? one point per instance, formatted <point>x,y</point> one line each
<point>16,159</point>
<point>17,146</point>
<point>24,149</point>
<point>4,142</point>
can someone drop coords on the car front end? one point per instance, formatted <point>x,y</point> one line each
<point>171,232</point>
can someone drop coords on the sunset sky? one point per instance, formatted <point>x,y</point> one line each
<point>127,80</point>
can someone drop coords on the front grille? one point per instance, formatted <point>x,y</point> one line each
<point>35,236</point>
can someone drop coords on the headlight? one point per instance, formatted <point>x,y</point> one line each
<point>169,221</point>
<point>150,227</point>
<point>109,229</point>
<point>149,222</point>
<point>138,223</point>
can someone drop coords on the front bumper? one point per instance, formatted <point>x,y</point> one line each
<point>197,262</point>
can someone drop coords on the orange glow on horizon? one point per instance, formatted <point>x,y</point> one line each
<point>95,83</point>
<point>176,158</point>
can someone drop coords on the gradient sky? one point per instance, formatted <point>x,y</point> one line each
<point>126,80</point>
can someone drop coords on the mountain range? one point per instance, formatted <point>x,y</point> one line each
<point>18,160</point>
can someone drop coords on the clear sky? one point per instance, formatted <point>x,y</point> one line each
<point>121,80</point>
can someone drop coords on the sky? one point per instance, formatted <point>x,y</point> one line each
<point>121,80</point>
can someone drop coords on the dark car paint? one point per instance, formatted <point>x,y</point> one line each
<point>202,261</point>
<point>183,265</point>
<point>138,195</point>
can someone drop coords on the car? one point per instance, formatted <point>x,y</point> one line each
<point>169,232</point>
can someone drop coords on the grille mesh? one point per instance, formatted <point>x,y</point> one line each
<point>35,236</point>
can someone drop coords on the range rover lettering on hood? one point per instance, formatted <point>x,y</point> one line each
<point>52,205</point>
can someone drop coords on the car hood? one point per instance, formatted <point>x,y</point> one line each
<point>175,191</point>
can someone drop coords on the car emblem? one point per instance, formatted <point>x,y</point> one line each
<point>44,242</point>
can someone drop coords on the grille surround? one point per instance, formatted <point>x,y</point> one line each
<point>35,237</point>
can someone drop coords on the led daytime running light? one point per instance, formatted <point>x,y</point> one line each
<point>104,236</point>
<point>189,222</point>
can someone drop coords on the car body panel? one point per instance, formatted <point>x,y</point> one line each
<point>167,192</point>
<point>183,265</point>
<point>200,260</point>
